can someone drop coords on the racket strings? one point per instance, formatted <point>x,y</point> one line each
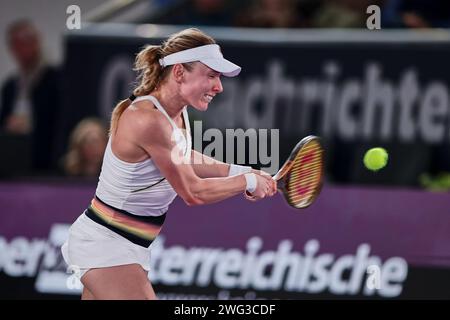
<point>306,174</point>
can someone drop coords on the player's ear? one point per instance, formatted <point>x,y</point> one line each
<point>178,72</point>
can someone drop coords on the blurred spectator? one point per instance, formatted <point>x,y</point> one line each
<point>30,98</point>
<point>437,177</point>
<point>198,13</point>
<point>416,14</point>
<point>307,9</point>
<point>269,14</point>
<point>342,14</point>
<point>437,183</point>
<point>87,145</point>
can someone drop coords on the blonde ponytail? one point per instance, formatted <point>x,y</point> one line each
<point>149,70</point>
<point>149,74</point>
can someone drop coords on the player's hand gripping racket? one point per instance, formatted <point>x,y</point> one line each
<point>301,176</point>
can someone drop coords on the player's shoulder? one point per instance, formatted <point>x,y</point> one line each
<point>143,119</point>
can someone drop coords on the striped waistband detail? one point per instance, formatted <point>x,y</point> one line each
<point>141,230</point>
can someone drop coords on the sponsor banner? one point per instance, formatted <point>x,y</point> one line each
<point>352,94</point>
<point>351,243</point>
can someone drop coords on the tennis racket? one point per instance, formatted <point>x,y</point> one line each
<point>300,178</point>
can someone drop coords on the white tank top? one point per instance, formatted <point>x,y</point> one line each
<point>139,188</point>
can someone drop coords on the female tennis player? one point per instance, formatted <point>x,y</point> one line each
<point>148,161</point>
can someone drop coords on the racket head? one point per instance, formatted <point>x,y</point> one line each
<point>301,176</point>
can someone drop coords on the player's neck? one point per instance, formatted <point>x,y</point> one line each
<point>170,101</point>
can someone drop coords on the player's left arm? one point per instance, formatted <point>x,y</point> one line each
<point>207,167</point>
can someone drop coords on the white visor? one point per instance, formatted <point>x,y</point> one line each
<point>209,55</point>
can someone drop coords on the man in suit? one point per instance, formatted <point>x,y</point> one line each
<point>31,98</point>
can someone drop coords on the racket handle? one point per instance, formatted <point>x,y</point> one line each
<point>248,195</point>
<point>280,184</point>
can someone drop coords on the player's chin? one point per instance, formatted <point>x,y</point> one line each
<point>201,106</point>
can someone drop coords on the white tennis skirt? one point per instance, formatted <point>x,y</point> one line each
<point>91,245</point>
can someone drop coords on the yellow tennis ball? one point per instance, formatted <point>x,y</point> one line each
<point>375,158</point>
